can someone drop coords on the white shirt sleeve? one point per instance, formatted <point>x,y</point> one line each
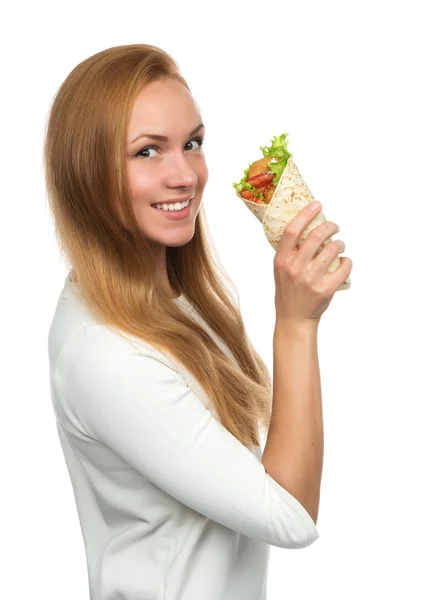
<point>132,401</point>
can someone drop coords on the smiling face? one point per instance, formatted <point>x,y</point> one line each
<point>160,171</point>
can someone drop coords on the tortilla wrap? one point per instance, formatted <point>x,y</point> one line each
<point>290,197</point>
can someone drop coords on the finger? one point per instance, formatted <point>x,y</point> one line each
<point>332,281</point>
<point>292,232</point>
<point>320,265</point>
<point>315,241</point>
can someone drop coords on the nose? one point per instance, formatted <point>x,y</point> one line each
<point>180,173</point>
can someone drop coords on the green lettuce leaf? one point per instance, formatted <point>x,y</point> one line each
<point>278,148</point>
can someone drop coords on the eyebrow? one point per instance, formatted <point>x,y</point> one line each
<point>162,138</point>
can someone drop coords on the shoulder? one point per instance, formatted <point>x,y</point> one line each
<point>104,347</point>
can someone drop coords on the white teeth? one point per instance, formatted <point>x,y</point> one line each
<point>172,207</point>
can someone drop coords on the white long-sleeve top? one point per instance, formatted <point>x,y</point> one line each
<point>171,505</point>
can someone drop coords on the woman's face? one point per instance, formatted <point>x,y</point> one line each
<point>160,171</point>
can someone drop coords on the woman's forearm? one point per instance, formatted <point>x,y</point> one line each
<point>293,454</point>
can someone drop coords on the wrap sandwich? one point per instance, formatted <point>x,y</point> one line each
<point>275,192</point>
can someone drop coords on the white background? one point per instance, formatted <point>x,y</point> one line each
<point>352,84</point>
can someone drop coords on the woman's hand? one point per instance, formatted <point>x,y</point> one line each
<point>303,288</point>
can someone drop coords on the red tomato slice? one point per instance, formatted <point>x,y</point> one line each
<point>262,179</point>
<point>250,196</point>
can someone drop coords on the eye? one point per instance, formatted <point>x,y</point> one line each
<point>198,140</point>
<point>147,149</point>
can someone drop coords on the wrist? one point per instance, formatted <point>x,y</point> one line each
<point>296,327</point>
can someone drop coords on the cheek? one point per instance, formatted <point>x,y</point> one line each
<point>139,183</point>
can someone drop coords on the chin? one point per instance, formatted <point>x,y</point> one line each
<point>178,240</point>
<point>174,240</point>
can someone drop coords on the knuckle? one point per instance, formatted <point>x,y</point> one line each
<point>294,270</point>
<point>290,229</point>
<point>316,234</point>
<point>278,262</point>
<point>282,263</point>
<point>324,292</point>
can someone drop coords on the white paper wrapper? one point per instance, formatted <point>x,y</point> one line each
<point>290,197</point>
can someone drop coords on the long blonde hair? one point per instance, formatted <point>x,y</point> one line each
<point>85,173</point>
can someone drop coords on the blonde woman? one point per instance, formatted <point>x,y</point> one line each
<point>158,393</point>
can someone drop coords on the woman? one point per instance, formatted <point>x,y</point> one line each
<point>158,392</point>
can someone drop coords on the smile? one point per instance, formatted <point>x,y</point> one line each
<point>174,206</point>
<point>185,209</point>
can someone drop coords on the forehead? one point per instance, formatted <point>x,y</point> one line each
<point>164,104</point>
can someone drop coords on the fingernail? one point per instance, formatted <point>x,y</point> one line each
<point>315,205</point>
